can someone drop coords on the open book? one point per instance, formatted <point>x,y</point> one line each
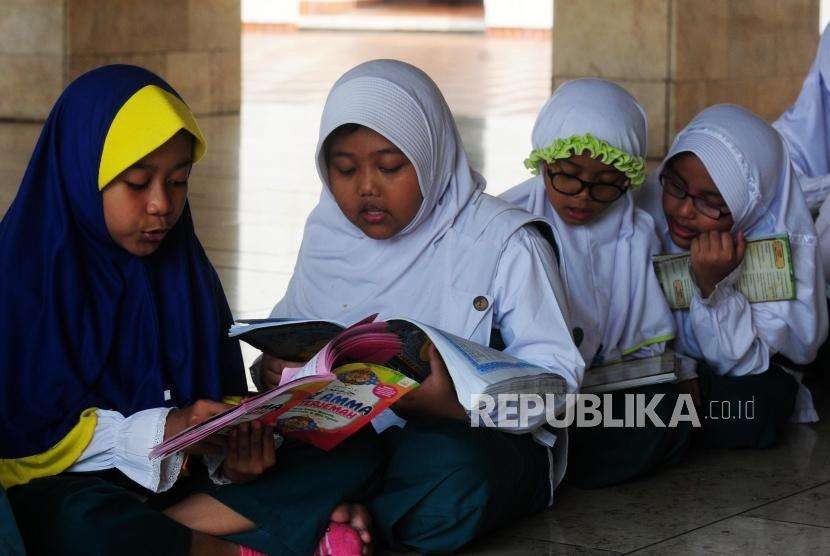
<point>767,273</point>
<point>475,369</point>
<point>348,384</point>
<point>353,373</point>
<point>633,373</point>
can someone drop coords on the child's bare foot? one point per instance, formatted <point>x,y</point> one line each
<point>358,518</point>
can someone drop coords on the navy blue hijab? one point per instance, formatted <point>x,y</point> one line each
<point>85,323</point>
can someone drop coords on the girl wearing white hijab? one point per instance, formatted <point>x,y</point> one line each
<point>728,177</point>
<point>805,127</point>
<point>403,228</point>
<point>589,144</point>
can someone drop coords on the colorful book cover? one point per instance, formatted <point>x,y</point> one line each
<point>345,405</point>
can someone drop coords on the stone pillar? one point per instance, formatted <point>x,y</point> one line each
<point>44,44</point>
<point>31,57</point>
<point>680,56</point>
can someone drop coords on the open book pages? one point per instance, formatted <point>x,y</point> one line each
<point>335,405</point>
<point>321,410</point>
<point>293,340</point>
<point>477,369</point>
<point>766,275</point>
<point>633,373</point>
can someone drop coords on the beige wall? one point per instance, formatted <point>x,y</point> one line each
<point>679,56</point>
<point>31,56</point>
<point>44,44</point>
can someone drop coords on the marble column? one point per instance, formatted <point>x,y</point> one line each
<point>44,44</point>
<point>679,56</point>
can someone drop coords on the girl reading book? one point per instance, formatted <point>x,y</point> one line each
<point>114,337</point>
<point>589,144</point>
<point>403,228</point>
<point>726,178</point>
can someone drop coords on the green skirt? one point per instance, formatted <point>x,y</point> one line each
<point>445,484</point>
<point>431,487</point>
<point>105,513</point>
<point>10,541</point>
<point>744,412</point>
<point>605,456</point>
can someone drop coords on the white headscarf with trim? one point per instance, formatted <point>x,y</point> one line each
<point>613,294</point>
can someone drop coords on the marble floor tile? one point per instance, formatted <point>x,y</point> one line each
<point>811,507</point>
<point>711,485</point>
<point>511,546</point>
<point>748,535</point>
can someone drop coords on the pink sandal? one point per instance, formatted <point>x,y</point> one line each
<point>246,551</point>
<point>340,539</point>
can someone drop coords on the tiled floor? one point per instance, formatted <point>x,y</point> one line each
<point>403,15</point>
<point>747,501</point>
<point>253,191</point>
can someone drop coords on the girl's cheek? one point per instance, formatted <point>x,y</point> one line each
<point>341,197</point>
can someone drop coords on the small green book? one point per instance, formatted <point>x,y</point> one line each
<point>767,273</point>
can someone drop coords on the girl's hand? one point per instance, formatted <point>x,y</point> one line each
<point>251,451</point>
<point>181,419</point>
<point>435,397</point>
<point>271,370</point>
<point>714,256</point>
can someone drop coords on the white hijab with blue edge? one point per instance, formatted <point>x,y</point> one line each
<point>613,294</point>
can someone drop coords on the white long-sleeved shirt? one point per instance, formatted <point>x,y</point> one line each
<point>736,338</point>
<point>529,315</point>
<point>804,127</point>
<point>124,443</point>
<point>531,309</point>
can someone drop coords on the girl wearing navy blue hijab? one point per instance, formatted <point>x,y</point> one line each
<point>114,316</point>
<point>114,337</point>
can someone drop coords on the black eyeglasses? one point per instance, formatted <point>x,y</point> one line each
<point>701,205</point>
<point>568,184</point>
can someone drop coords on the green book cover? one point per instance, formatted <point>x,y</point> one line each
<point>767,273</point>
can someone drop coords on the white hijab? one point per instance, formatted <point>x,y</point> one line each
<point>343,274</point>
<point>805,126</point>
<point>613,294</point>
<point>749,163</point>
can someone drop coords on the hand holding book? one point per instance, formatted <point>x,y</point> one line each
<point>271,368</point>
<point>436,397</point>
<point>714,255</point>
<point>766,271</point>
<point>250,451</point>
<point>179,420</point>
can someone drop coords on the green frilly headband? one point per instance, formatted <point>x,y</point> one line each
<point>634,167</point>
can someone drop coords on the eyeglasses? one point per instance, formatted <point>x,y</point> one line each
<point>704,207</point>
<point>567,184</point>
